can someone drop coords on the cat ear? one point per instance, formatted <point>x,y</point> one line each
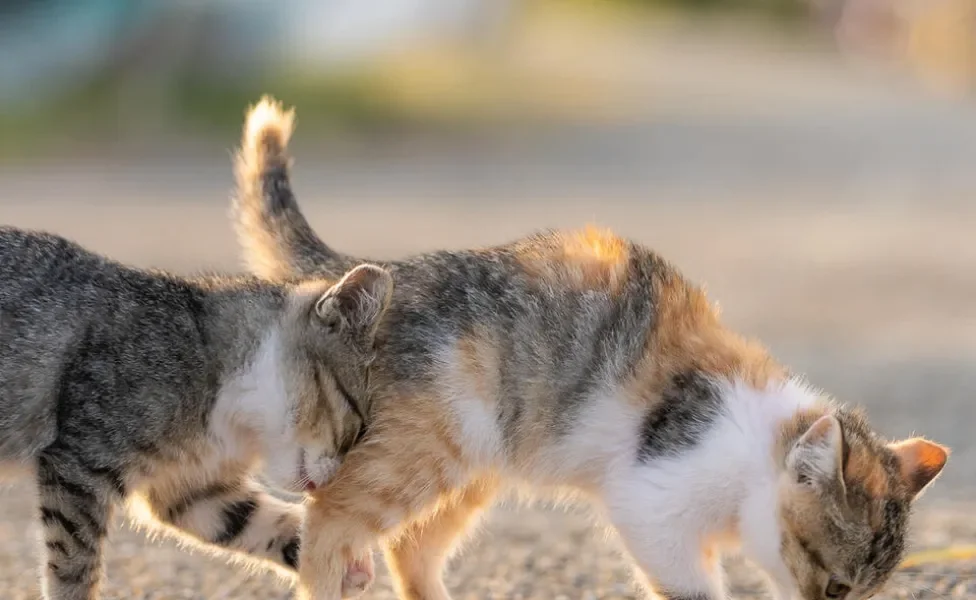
<point>921,462</point>
<point>816,458</point>
<point>358,300</point>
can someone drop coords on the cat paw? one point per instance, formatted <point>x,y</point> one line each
<point>358,576</point>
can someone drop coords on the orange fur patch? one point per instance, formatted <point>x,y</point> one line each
<point>416,555</point>
<point>589,259</point>
<point>864,469</point>
<point>596,245</point>
<point>689,336</point>
<point>921,461</point>
<point>392,479</point>
<point>409,469</point>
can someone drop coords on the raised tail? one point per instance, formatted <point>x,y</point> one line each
<point>277,241</point>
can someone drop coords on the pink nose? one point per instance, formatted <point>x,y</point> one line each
<point>309,486</point>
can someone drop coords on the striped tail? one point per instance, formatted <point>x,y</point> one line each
<point>277,240</point>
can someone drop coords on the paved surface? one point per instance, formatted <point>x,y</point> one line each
<point>841,232</point>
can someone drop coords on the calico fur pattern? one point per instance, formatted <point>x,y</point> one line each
<point>583,364</point>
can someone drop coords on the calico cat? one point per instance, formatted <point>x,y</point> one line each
<point>584,363</point>
<point>119,384</point>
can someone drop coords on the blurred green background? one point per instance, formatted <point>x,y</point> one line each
<point>96,72</point>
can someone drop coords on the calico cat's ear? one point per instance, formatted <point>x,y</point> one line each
<point>358,300</point>
<point>921,462</point>
<point>817,457</point>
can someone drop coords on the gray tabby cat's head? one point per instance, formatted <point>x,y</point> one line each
<point>329,333</point>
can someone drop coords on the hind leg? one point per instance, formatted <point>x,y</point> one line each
<point>76,506</point>
<point>417,556</point>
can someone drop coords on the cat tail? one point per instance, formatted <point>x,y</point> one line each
<point>277,241</point>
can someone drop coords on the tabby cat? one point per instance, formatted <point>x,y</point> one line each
<point>119,384</point>
<point>585,363</point>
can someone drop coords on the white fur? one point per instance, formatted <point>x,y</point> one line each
<point>718,495</point>
<point>265,115</point>
<point>475,417</point>
<point>255,405</point>
<point>320,465</point>
<point>604,440</point>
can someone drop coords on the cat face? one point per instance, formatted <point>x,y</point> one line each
<point>844,503</point>
<point>330,349</point>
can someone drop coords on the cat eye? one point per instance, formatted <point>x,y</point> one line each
<point>836,589</point>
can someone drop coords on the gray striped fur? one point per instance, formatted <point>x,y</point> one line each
<point>126,386</point>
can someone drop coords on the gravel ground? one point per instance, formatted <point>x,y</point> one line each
<point>520,554</point>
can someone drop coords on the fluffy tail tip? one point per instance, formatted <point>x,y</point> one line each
<point>267,129</point>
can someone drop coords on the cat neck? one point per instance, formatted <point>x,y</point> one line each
<point>766,418</point>
<point>236,315</point>
<point>241,329</point>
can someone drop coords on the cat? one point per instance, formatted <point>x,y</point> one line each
<point>584,364</point>
<point>121,385</point>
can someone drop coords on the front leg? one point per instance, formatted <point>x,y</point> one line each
<point>677,569</point>
<point>337,540</point>
<point>230,515</point>
<point>672,558</point>
<point>375,491</point>
<point>416,555</point>
<point>76,505</point>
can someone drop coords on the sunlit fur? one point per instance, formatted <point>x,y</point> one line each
<point>581,363</point>
<point>127,386</point>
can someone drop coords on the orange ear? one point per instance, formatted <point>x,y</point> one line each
<point>921,462</point>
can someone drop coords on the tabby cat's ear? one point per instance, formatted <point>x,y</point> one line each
<point>357,301</point>
<point>921,462</point>
<point>817,457</point>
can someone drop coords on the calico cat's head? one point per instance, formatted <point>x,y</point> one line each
<point>328,347</point>
<point>844,502</point>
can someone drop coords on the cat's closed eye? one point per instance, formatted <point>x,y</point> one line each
<point>836,590</point>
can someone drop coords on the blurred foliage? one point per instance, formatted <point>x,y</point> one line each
<point>111,108</point>
<point>776,9</point>
<point>102,111</point>
<point>541,67</point>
